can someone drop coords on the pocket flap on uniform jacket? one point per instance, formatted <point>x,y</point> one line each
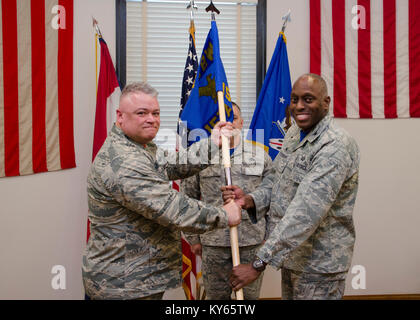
<point>252,170</point>
<point>212,171</point>
<point>297,175</point>
<point>300,169</point>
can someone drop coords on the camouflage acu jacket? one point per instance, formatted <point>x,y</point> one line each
<point>134,249</point>
<point>311,196</point>
<point>249,164</point>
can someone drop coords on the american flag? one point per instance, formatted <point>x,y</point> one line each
<point>191,265</point>
<point>191,67</point>
<point>190,72</point>
<point>36,86</point>
<point>368,52</point>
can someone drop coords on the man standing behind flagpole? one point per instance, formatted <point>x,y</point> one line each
<point>199,114</point>
<point>250,165</point>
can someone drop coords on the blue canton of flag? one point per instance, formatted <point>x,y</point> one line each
<point>269,120</point>
<point>190,72</point>
<point>201,110</point>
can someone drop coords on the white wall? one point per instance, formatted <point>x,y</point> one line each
<point>43,216</point>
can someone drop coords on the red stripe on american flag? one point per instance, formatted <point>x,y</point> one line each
<point>65,88</point>
<point>414,48</point>
<point>39,148</point>
<point>11,97</point>
<point>315,16</point>
<point>364,55</point>
<point>390,59</point>
<point>339,38</point>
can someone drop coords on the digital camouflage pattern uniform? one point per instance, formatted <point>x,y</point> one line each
<point>311,196</point>
<point>134,249</point>
<point>249,164</point>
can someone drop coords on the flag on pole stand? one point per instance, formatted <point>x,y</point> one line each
<point>191,264</point>
<point>107,98</point>
<point>201,110</point>
<point>270,121</point>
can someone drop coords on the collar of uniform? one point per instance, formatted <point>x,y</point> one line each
<point>251,148</point>
<point>245,147</point>
<point>237,149</point>
<point>319,128</point>
<point>118,132</point>
<point>311,136</point>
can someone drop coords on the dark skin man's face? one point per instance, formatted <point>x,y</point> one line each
<point>309,103</point>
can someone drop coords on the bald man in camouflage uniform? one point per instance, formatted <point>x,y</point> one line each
<point>311,196</point>
<point>134,251</point>
<point>249,165</point>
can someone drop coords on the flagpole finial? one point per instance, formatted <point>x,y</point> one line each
<point>213,10</point>
<point>95,25</point>
<point>192,6</point>
<point>286,19</point>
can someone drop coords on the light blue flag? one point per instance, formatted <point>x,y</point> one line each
<point>269,120</point>
<point>202,110</point>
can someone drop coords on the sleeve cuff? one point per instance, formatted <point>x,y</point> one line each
<point>223,221</point>
<point>259,211</point>
<point>266,255</point>
<point>193,239</point>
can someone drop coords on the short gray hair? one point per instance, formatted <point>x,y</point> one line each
<point>237,106</point>
<point>136,87</point>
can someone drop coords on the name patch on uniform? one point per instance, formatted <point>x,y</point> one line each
<point>301,163</point>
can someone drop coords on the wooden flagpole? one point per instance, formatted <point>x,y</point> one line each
<point>234,243</point>
<point>226,163</point>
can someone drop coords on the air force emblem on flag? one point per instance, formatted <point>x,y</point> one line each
<point>277,143</point>
<point>271,113</point>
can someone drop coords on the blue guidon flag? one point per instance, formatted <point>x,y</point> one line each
<point>202,110</point>
<point>270,120</point>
